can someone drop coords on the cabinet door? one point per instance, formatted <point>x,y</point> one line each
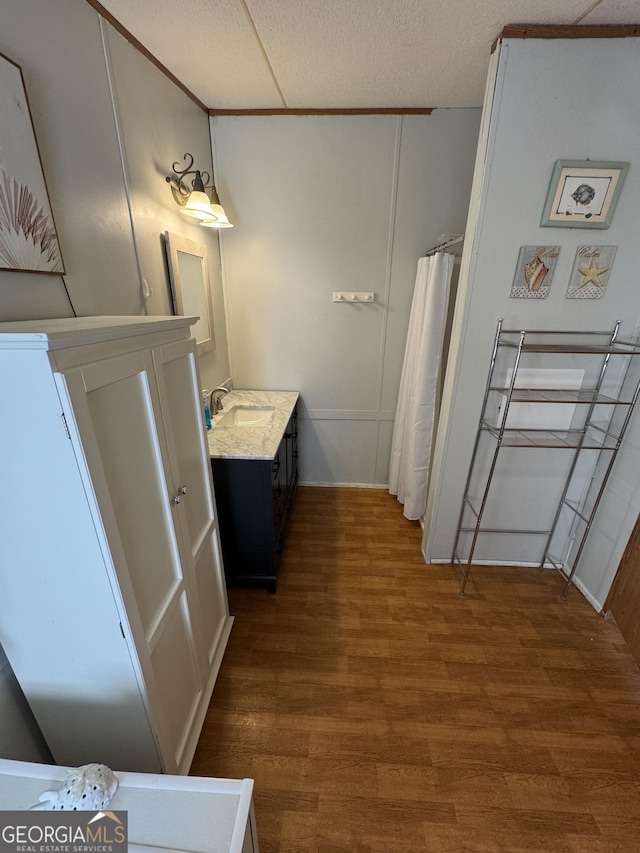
<point>178,383</point>
<point>116,424</point>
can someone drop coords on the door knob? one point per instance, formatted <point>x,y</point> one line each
<point>175,500</point>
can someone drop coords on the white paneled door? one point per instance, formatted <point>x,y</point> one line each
<point>145,487</point>
<point>190,465</point>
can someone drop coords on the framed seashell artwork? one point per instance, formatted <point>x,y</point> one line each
<point>534,271</point>
<point>590,274</point>
<point>583,193</point>
<point>28,237</point>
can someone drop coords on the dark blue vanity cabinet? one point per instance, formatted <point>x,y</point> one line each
<point>254,498</point>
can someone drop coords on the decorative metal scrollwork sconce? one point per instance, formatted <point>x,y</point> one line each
<point>194,199</point>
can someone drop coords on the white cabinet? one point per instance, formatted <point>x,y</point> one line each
<point>113,608</point>
<point>165,814</point>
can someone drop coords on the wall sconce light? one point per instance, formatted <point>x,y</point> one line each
<point>194,200</point>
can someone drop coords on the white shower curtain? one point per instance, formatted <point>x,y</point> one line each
<point>418,394</point>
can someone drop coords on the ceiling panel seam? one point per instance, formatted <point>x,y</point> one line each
<point>263,51</point>
<point>587,12</point>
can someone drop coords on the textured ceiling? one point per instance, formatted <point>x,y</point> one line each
<point>340,54</point>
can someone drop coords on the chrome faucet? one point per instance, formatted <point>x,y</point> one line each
<point>216,401</point>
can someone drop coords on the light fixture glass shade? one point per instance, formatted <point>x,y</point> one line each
<point>220,219</point>
<point>198,206</point>
<point>221,222</point>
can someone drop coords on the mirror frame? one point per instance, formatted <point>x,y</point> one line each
<point>184,291</point>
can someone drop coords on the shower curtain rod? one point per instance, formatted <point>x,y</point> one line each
<point>452,241</point>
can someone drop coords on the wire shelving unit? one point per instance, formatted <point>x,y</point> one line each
<point>592,381</point>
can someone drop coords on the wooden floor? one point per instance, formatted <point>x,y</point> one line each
<point>380,712</point>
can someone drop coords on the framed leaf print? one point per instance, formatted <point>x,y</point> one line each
<point>28,238</point>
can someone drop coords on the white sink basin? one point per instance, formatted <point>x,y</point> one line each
<point>246,416</point>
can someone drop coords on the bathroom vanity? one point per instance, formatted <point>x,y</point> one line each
<point>253,445</point>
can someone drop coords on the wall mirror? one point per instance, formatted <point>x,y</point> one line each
<point>189,276</point>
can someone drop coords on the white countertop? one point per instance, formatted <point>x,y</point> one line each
<point>251,442</point>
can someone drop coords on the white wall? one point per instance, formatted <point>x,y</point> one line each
<point>554,100</point>
<point>328,203</point>
<point>97,104</point>
<point>158,124</point>
<point>58,47</point>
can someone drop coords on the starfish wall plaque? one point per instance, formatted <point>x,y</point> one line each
<point>591,270</point>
